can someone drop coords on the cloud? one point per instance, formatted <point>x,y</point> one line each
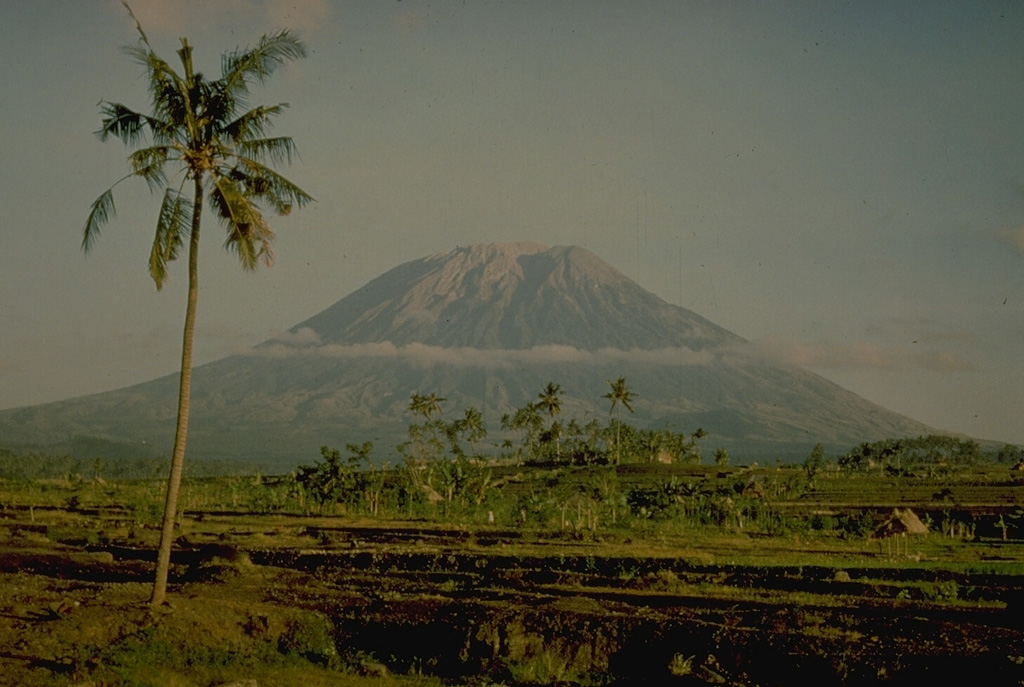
<point>304,343</point>
<point>858,356</point>
<point>302,337</point>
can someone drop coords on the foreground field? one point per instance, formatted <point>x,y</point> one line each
<point>287,599</point>
<point>332,602</point>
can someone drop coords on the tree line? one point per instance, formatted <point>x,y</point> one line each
<point>538,434</point>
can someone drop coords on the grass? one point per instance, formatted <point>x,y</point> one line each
<point>223,639</point>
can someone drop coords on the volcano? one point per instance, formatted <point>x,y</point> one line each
<point>485,326</point>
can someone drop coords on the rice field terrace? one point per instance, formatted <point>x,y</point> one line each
<point>790,579</point>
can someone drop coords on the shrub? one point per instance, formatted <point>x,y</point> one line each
<point>311,636</point>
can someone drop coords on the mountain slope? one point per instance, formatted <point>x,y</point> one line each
<point>487,326</point>
<point>512,296</point>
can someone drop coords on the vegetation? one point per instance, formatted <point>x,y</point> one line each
<point>562,476</point>
<point>204,134</point>
<point>547,563</point>
<point>620,395</point>
<point>720,573</point>
<point>933,454</point>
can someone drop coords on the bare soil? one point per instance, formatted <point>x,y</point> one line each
<point>287,600</point>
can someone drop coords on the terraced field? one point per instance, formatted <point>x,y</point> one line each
<point>285,599</point>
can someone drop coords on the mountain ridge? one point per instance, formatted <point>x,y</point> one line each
<point>486,325</point>
<point>486,296</point>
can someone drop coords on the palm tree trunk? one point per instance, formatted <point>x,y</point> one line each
<point>163,560</point>
<point>618,455</point>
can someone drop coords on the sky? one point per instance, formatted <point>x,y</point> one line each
<point>841,183</point>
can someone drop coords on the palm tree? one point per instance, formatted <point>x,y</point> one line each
<point>425,405</point>
<point>550,402</point>
<point>201,132</point>
<point>528,420</point>
<point>425,438</point>
<point>432,404</point>
<point>474,427</point>
<point>619,395</point>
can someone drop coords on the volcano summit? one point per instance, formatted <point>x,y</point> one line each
<point>487,326</point>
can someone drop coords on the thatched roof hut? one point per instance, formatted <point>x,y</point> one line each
<point>901,522</point>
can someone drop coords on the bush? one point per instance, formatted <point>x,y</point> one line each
<point>311,636</point>
<point>823,523</point>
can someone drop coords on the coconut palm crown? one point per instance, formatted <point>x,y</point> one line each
<point>203,132</point>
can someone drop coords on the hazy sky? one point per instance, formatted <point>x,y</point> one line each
<point>841,182</point>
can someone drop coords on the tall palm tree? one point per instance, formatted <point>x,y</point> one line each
<point>201,133</point>
<point>474,426</point>
<point>619,395</point>
<point>550,402</point>
<point>424,438</point>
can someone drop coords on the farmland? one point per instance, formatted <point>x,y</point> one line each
<point>558,575</point>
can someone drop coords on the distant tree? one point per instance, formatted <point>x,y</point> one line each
<point>426,437</point>
<point>694,445</point>
<point>426,406</point>
<point>551,403</point>
<point>814,462</point>
<point>528,421</point>
<point>325,481</point>
<point>359,453</point>
<point>721,457</point>
<point>651,443</point>
<point>1010,454</point>
<point>592,436</point>
<point>473,426</point>
<point>619,395</point>
<point>202,133</point>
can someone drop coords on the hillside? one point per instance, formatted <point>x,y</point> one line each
<point>487,326</point>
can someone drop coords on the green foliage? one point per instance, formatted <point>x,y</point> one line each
<point>527,421</point>
<point>898,457</point>
<point>1011,454</point>
<point>943,590</point>
<point>663,500</point>
<point>815,462</point>
<point>546,666</point>
<point>34,465</point>
<point>355,483</point>
<point>426,438</point>
<point>310,636</point>
<point>146,658</point>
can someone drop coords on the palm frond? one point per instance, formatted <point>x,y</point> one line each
<point>122,122</point>
<point>264,183</point>
<point>138,24</point>
<point>257,63</point>
<point>279,150</point>
<point>172,225</point>
<point>202,126</point>
<point>253,124</point>
<point>249,235</point>
<point>171,106</point>
<point>148,163</point>
<point>102,210</point>
<point>168,91</point>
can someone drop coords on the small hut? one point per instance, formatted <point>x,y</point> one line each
<point>900,524</point>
